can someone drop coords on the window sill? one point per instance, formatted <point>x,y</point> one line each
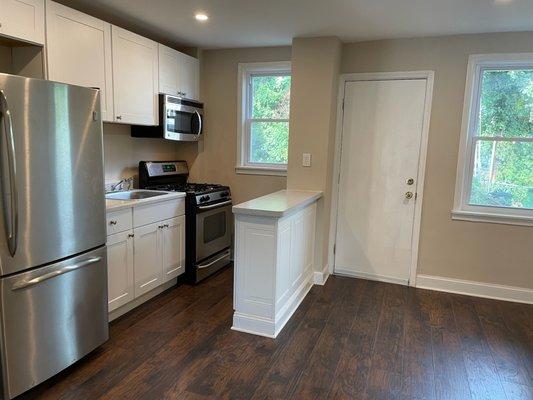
<point>474,216</point>
<point>249,170</point>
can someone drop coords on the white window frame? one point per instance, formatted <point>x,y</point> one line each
<point>461,209</point>
<point>245,72</point>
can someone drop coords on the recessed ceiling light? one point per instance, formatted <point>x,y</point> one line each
<point>201,17</point>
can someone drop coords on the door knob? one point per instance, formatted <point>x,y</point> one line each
<point>409,195</point>
<point>410,181</point>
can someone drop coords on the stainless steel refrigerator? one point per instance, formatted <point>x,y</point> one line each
<point>53,269</point>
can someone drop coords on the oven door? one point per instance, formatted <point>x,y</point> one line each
<point>182,122</point>
<point>213,229</point>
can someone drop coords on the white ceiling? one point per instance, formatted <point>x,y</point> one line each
<point>246,23</point>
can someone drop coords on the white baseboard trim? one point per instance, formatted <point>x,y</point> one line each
<point>320,278</point>
<point>139,300</point>
<point>269,327</point>
<point>478,289</point>
<point>372,277</point>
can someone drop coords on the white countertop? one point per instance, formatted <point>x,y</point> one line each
<point>114,205</point>
<point>278,204</point>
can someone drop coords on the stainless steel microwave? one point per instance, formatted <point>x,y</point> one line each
<point>179,119</point>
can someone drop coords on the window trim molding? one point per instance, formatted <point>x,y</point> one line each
<point>244,70</point>
<point>461,209</point>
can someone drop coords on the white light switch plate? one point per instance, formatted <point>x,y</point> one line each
<point>306,159</point>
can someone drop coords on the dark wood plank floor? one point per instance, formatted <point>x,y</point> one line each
<point>351,339</point>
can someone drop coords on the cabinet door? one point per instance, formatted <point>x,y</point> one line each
<point>22,19</point>
<point>147,258</point>
<point>79,52</point>
<point>135,78</point>
<point>168,70</point>
<point>173,247</point>
<point>119,269</point>
<point>188,76</point>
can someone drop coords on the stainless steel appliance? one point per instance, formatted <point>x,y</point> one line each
<point>208,217</point>
<point>53,278</point>
<point>179,119</point>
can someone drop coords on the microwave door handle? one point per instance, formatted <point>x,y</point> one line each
<point>12,220</point>
<point>199,122</point>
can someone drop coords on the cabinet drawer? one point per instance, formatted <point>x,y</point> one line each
<point>144,215</point>
<point>118,221</point>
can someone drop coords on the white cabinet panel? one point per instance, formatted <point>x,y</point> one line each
<point>79,52</point>
<point>147,258</point>
<point>135,78</point>
<point>120,269</point>
<point>119,221</point>
<point>22,19</point>
<point>168,70</point>
<point>189,77</point>
<point>173,236</point>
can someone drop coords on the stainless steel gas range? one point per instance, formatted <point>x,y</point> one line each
<point>208,216</point>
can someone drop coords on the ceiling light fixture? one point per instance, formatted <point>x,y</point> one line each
<point>201,17</point>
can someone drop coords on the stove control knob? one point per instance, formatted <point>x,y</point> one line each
<point>203,199</point>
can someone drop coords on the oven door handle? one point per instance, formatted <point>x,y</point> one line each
<point>210,207</point>
<point>226,254</point>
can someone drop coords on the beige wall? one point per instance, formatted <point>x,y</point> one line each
<point>315,71</point>
<point>122,153</point>
<point>215,159</point>
<point>464,250</point>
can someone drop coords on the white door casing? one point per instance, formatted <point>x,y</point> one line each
<point>383,138</point>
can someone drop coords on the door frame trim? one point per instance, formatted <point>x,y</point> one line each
<point>429,77</point>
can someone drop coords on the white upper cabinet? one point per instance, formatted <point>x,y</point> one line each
<point>178,73</point>
<point>168,70</point>
<point>79,52</point>
<point>135,78</point>
<point>23,20</point>
<point>188,77</point>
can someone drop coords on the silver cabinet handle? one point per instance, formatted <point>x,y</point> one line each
<point>12,229</point>
<point>199,122</point>
<point>112,222</point>
<point>225,203</point>
<point>35,281</point>
<point>166,226</point>
<point>130,235</point>
<point>226,254</point>
<point>119,117</point>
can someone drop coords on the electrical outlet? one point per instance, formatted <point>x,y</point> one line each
<point>306,159</point>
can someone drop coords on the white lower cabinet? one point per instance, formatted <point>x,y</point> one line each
<point>120,269</point>
<point>173,238</point>
<point>145,257</point>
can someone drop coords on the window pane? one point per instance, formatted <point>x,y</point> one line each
<point>506,107</point>
<point>503,174</point>
<point>269,142</point>
<point>271,97</point>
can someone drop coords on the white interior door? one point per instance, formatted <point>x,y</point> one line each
<point>381,137</point>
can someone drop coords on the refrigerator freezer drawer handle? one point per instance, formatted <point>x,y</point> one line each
<point>12,229</point>
<point>35,281</point>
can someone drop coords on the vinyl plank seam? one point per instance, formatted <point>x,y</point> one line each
<point>354,319</point>
<point>463,349</point>
<point>341,300</point>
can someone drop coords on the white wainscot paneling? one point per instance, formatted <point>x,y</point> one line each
<point>273,269</point>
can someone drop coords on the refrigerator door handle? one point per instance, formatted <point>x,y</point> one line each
<point>10,219</point>
<point>41,278</point>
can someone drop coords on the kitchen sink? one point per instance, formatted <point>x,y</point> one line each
<point>133,195</point>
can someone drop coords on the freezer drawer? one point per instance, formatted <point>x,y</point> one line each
<point>51,317</point>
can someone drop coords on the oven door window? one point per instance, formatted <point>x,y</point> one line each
<point>183,122</point>
<point>214,227</point>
